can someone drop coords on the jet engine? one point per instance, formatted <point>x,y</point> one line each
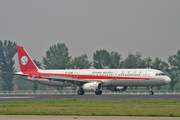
<point>117,88</point>
<point>93,86</point>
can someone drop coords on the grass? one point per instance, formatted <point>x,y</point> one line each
<point>92,107</point>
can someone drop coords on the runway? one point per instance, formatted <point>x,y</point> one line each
<point>52,117</point>
<point>88,97</point>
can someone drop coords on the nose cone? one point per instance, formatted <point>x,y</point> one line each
<point>167,80</point>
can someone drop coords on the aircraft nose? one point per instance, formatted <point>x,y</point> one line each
<point>167,80</point>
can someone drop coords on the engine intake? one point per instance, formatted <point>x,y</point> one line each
<point>93,86</point>
<point>117,88</point>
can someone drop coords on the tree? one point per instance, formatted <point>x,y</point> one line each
<point>101,59</point>
<point>134,61</point>
<point>22,84</point>
<point>38,64</point>
<point>57,57</point>
<point>156,64</point>
<point>160,65</point>
<point>80,62</point>
<point>148,62</point>
<point>7,52</point>
<point>174,61</point>
<point>164,67</point>
<point>115,60</point>
<point>35,85</point>
<point>142,64</point>
<point>174,75</point>
<point>129,62</point>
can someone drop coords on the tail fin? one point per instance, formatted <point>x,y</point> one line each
<point>25,62</point>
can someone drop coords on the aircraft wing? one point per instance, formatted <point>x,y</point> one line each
<point>69,79</point>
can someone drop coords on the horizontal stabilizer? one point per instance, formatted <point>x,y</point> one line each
<point>17,74</point>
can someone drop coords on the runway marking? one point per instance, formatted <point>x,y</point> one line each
<point>14,97</point>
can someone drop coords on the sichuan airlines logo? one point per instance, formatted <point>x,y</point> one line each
<point>24,60</point>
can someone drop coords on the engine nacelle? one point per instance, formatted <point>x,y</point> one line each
<point>93,86</point>
<point>117,88</point>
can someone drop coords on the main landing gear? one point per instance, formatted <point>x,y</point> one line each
<point>151,92</point>
<point>80,92</point>
<point>98,92</point>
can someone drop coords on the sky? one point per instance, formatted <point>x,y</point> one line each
<point>151,27</point>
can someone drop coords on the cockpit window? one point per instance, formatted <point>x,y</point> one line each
<point>160,74</point>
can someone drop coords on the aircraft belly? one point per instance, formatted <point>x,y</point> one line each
<point>106,83</point>
<point>153,82</point>
<point>137,82</point>
<point>122,82</point>
<point>147,82</point>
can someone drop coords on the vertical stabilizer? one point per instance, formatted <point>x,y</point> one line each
<point>25,62</point>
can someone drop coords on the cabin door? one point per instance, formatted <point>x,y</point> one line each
<point>147,75</point>
<point>115,76</point>
<point>75,75</point>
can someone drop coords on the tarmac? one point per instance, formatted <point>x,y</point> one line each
<point>52,117</point>
<point>88,97</point>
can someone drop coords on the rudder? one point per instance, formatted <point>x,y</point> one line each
<point>25,62</point>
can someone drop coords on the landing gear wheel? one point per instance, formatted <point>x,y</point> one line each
<point>80,92</point>
<point>151,93</point>
<point>98,92</point>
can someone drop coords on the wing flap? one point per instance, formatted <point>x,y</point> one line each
<point>68,79</point>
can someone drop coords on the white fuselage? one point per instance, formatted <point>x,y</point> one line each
<point>108,77</point>
<point>90,79</point>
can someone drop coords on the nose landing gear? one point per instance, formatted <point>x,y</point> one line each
<point>151,92</point>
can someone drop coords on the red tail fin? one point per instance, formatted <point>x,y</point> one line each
<point>26,63</point>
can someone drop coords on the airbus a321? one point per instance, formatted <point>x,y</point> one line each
<point>90,79</point>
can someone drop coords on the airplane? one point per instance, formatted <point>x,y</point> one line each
<point>89,79</point>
